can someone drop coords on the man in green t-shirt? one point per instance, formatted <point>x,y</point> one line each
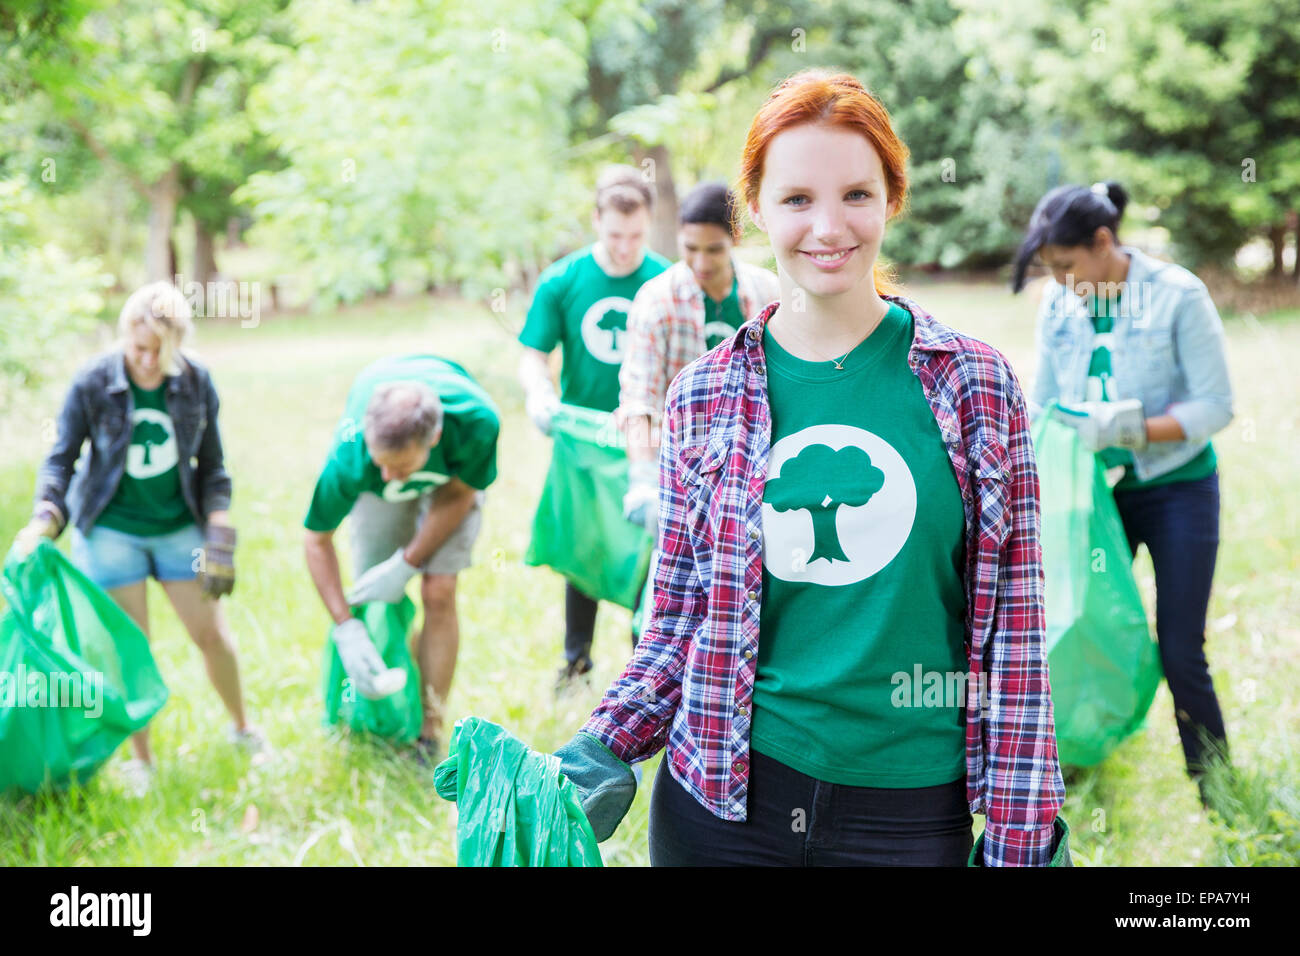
<point>412,455</point>
<point>581,305</point>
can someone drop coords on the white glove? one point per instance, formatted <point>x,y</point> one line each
<point>384,582</point>
<point>541,405</point>
<point>641,503</point>
<point>1106,424</point>
<point>371,676</point>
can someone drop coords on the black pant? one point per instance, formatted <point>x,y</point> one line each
<point>1179,524</point>
<point>797,820</point>
<point>580,622</point>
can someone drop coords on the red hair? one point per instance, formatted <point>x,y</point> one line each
<point>834,99</point>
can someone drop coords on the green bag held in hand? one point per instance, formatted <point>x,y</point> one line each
<point>76,675</point>
<point>514,807</point>
<point>398,716</point>
<point>1103,663</point>
<point>579,528</point>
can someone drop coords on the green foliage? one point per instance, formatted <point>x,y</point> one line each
<point>639,53</point>
<point>1193,106</point>
<point>154,92</point>
<point>429,156</point>
<point>977,162</point>
<point>1258,812</point>
<point>47,297</point>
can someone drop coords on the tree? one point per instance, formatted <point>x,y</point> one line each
<point>148,433</point>
<point>1194,106</point>
<point>155,91</point>
<point>660,74</point>
<point>47,297</point>
<point>423,146</point>
<point>849,478</point>
<point>614,321</point>
<point>977,163</point>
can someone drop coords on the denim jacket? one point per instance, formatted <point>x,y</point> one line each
<point>99,407</point>
<point>1168,352</point>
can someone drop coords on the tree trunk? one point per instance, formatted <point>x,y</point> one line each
<point>164,196</point>
<point>663,228</point>
<point>205,258</point>
<point>1293,220</point>
<point>1277,236</point>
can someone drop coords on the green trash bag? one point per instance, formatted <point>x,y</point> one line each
<point>514,807</point>
<point>76,675</point>
<point>396,717</point>
<point>579,529</point>
<point>641,616</point>
<point>1103,663</point>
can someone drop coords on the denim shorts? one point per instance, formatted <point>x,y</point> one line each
<point>114,559</point>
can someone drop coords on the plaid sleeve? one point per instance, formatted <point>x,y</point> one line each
<point>634,716</point>
<point>1024,790</point>
<point>641,378</point>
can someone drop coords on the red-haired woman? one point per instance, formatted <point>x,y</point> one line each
<point>846,655</point>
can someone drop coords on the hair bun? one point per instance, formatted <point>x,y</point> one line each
<point>1114,192</point>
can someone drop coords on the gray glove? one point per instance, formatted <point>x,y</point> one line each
<point>641,503</point>
<point>385,582</point>
<point>1101,425</point>
<point>372,678</point>
<point>605,784</point>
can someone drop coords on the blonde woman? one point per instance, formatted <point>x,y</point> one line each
<point>152,496</point>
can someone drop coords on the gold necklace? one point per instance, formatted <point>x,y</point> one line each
<point>839,362</point>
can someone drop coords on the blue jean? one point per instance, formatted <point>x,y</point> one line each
<point>1179,524</point>
<point>796,820</point>
<point>114,559</point>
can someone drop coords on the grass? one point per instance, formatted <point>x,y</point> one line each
<point>330,799</point>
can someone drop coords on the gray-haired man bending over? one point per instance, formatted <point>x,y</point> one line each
<point>412,455</point>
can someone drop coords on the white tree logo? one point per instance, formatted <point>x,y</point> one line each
<point>153,444</point>
<point>839,505</point>
<point>604,327</point>
<point>413,486</point>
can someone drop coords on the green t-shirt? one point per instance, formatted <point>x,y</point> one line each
<point>465,450</point>
<point>863,604</point>
<point>1101,388</point>
<point>581,308</point>
<point>148,500</point>
<point>722,319</point>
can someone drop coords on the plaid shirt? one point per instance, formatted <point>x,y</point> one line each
<point>665,332</point>
<point>690,682</point>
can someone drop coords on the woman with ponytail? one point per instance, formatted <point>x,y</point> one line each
<point>1131,353</point>
<point>845,657</point>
